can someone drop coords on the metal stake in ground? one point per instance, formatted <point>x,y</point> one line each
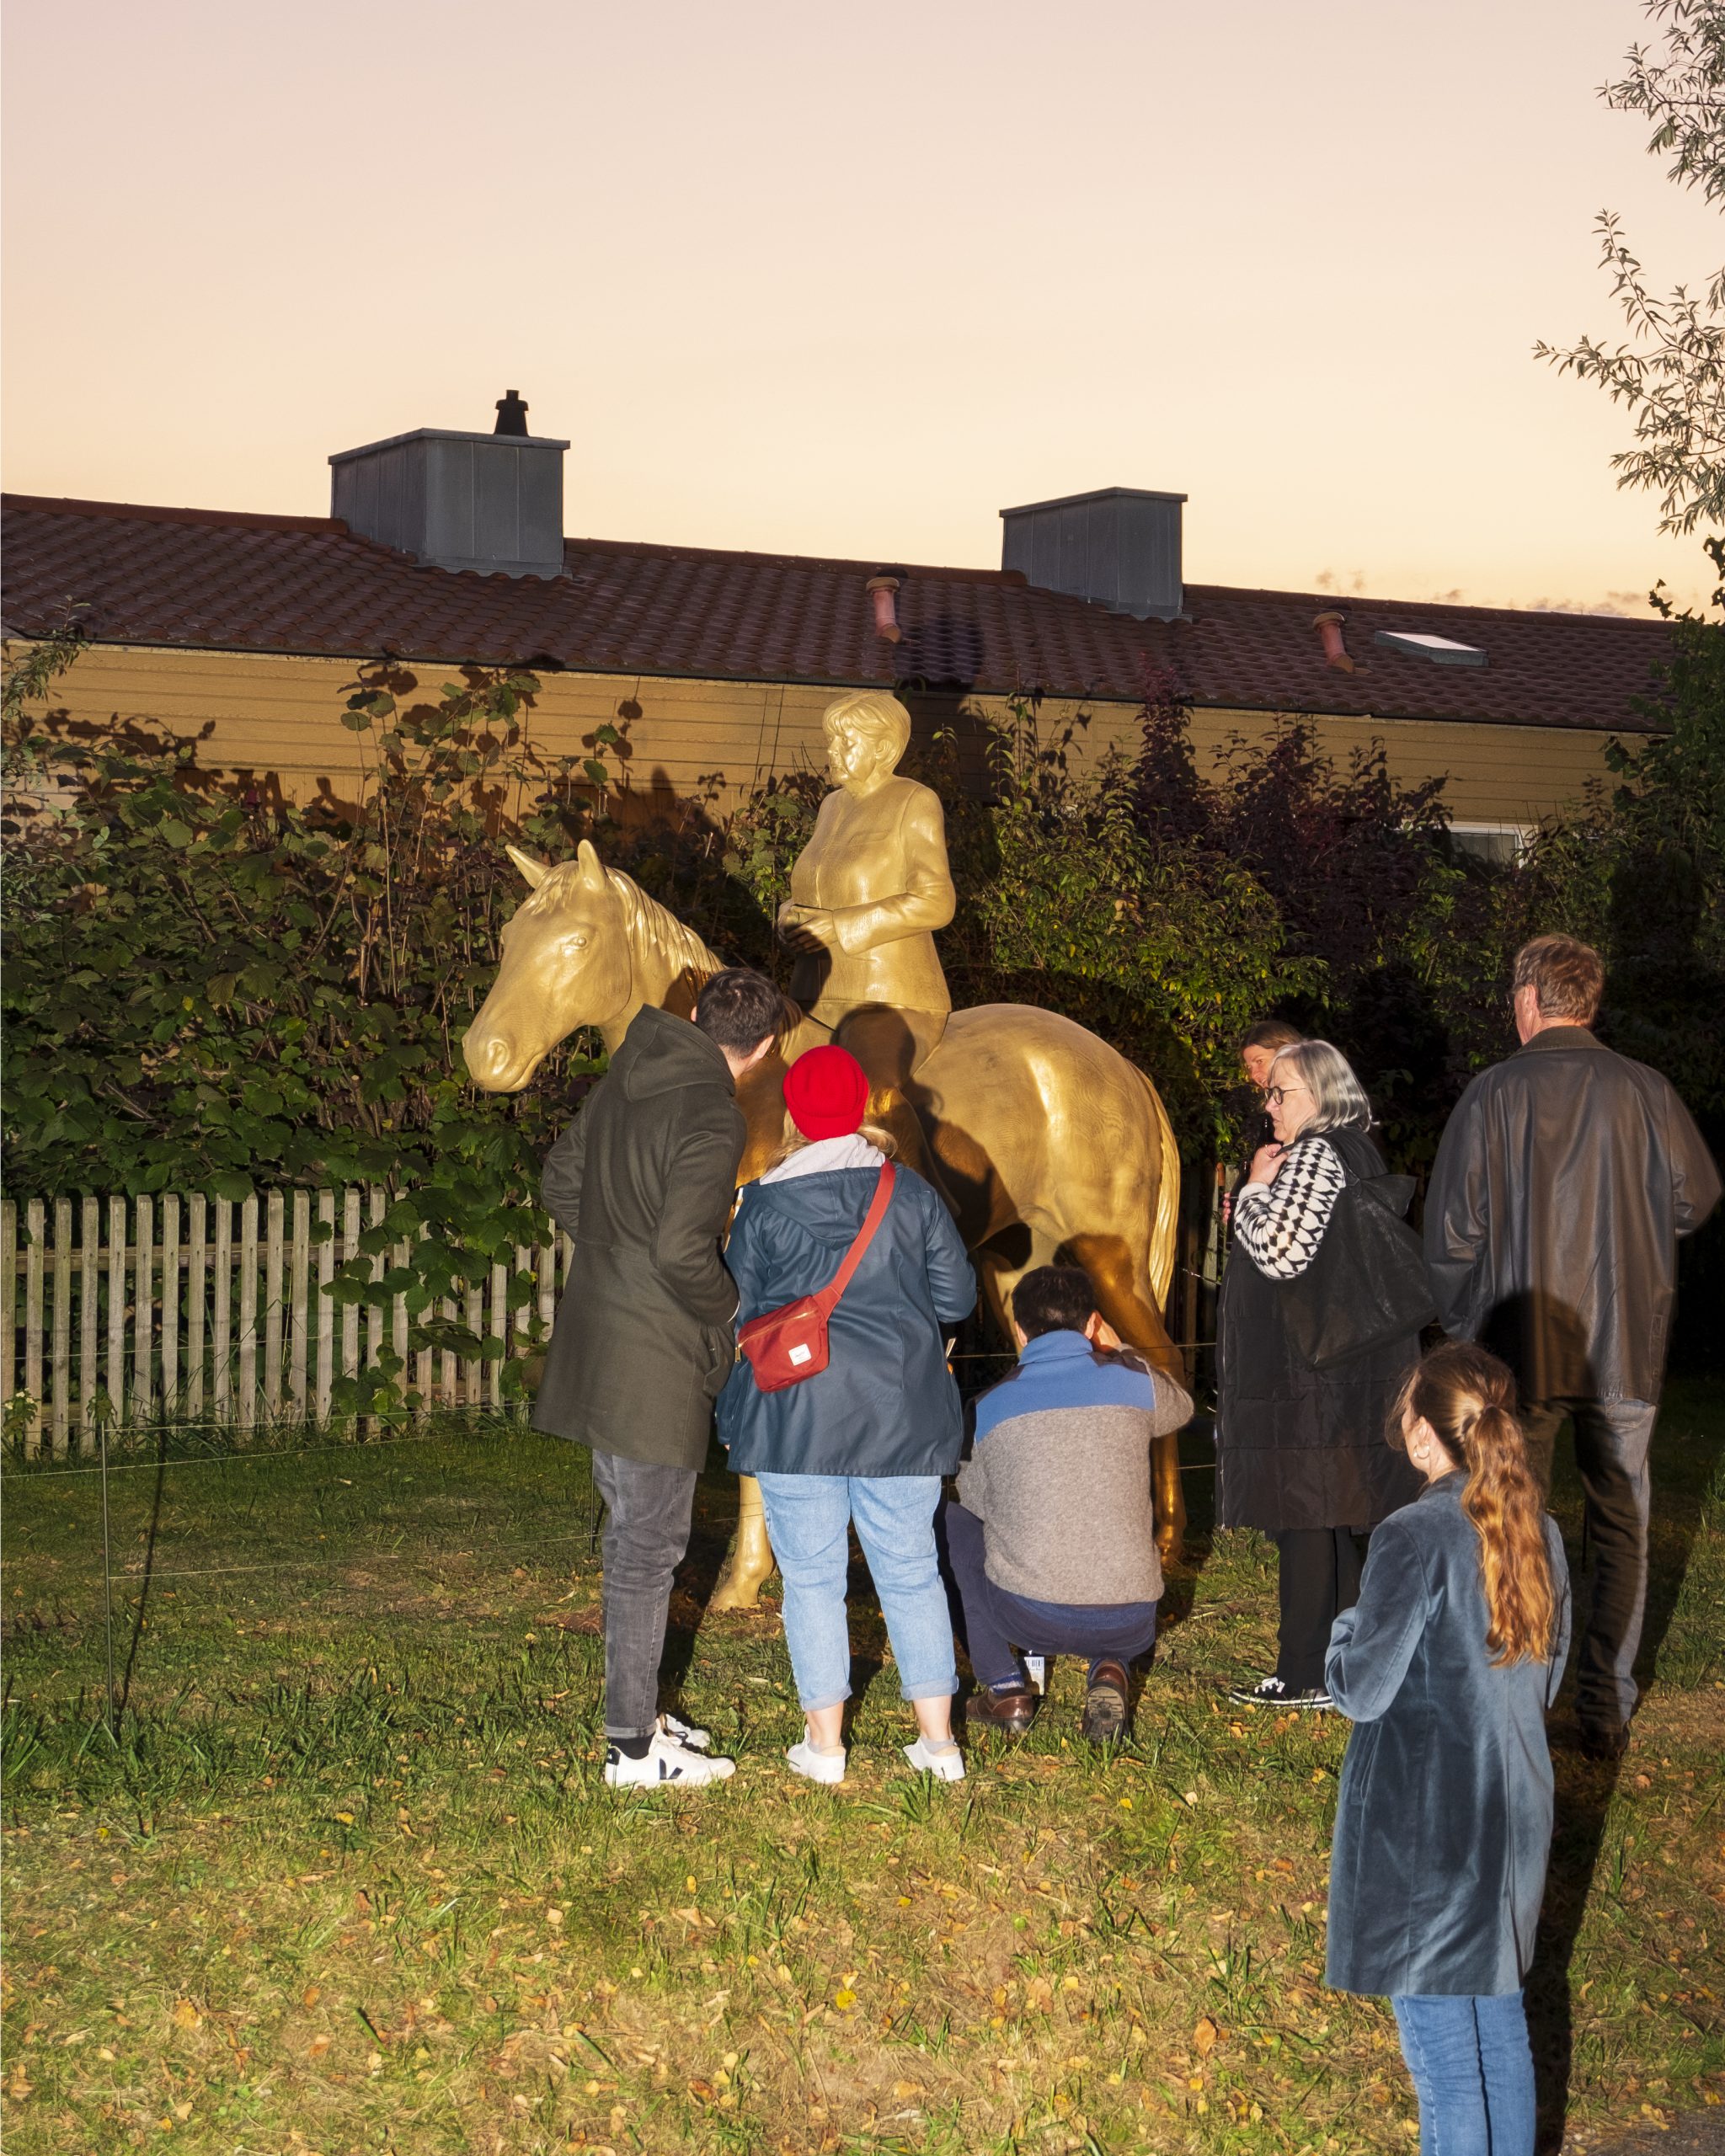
<point>108,1586</point>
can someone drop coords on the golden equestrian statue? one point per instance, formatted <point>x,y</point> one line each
<point>1048,1145</point>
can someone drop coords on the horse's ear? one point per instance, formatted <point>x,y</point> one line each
<point>592,868</point>
<point>536,872</point>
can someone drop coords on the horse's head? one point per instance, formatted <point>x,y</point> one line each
<point>566,963</point>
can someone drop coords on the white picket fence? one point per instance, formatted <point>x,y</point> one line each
<point>218,1310</point>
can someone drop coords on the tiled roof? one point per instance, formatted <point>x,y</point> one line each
<point>205,579</point>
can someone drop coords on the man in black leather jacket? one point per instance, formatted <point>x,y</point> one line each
<point>1564,1180</point>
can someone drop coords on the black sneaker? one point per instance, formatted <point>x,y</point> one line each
<point>1272,1692</point>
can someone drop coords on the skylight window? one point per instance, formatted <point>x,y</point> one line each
<point>1442,651</point>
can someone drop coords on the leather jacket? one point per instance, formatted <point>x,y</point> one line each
<point>1562,1182</point>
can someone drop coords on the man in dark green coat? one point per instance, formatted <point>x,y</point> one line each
<point>643,1181</point>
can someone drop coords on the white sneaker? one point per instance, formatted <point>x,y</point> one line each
<point>946,1763</point>
<point>827,1767</point>
<point>696,1740</point>
<point>667,1763</point>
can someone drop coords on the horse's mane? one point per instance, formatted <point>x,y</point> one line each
<point>647,921</point>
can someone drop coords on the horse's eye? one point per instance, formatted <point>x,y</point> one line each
<point>575,943</point>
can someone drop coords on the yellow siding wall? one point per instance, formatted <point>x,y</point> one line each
<point>266,716</point>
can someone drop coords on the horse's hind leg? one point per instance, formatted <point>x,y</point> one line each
<point>1124,1298</point>
<point>750,1565</point>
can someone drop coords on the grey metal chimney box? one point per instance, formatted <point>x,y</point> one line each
<point>492,503</point>
<point>1120,547</point>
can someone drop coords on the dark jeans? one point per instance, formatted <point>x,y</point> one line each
<point>1611,1442</point>
<point>996,1623</point>
<point>647,1513</point>
<point>1320,1573</point>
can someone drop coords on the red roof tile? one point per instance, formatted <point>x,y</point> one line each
<point>209,581</point>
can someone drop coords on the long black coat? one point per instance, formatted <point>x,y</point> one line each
<point>1444,1815</point>
<point>643,1179</point>
<point>886,1403</point>
<point>1562,1183</point>
<point>1295,1446</point>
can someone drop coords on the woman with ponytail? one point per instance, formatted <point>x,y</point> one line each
<point>1446,1665</point>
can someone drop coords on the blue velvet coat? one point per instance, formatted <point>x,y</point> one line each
<point>1444,1816</point>
<point>886,1403</point>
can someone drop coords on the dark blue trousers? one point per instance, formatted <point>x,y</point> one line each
<point>997,1624</point>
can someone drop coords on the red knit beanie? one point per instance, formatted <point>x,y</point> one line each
<point>827,1091</point>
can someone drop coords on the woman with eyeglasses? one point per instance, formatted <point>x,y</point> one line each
<point>1299,1451</point>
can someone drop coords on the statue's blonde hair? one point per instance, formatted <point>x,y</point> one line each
<point>873,711</point>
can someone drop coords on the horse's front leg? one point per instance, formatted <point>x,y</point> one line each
<point>750,1565</point>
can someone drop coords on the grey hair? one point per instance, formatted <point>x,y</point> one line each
<point>1338,1098</point>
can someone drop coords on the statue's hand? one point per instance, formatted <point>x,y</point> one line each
<point>807,928</point>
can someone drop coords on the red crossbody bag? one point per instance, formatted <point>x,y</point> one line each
<point>788,1344</point>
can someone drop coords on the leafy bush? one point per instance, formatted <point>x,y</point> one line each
<point>212,991</point>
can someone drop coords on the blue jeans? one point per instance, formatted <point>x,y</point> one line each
<point>1472,2070</point>
<point>809,1520</point>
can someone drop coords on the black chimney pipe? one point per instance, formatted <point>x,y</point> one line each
<point>511,414</point>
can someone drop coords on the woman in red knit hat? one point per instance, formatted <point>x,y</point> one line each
<point>866,1440</point>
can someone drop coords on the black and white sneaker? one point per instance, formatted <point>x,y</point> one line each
<point>1272,1692</point>
<point>667,1763</point>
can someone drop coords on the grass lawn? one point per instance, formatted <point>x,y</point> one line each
<point>348,1881</point>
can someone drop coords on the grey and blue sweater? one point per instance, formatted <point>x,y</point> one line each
<point>1059,1473</point>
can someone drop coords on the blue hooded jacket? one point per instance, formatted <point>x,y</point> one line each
<point>886,1403</point>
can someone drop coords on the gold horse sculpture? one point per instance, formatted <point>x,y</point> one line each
<point>1048,1143</point>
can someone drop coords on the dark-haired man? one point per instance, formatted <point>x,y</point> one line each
<point>1259,1047</point>
<point>1561,1184</point>
<point>643,1181</point>
<point>1052,1542</point>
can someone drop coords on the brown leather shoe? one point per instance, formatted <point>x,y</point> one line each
<point>1009,1712</point>
<point>1105,1703</point>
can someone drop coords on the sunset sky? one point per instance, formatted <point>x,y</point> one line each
<point>848,281</point>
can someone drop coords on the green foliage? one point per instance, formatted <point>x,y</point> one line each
<point>1671,377</point>
<point>1645,872</point>
<point>1072,897</point>
<point>208,988</point>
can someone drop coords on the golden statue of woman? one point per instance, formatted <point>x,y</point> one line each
<point>867,893</point>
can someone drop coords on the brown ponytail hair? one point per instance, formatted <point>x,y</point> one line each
<point>1468,1397</point>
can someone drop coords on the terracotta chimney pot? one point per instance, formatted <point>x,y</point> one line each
<point>1329,627</point>
<point>881,589</point>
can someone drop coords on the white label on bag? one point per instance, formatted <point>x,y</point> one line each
<point>802,1355</point>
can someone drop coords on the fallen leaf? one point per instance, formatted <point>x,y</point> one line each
<point>185,2015</point>
<point>1204,2036</point>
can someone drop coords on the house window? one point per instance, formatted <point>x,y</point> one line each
<point>1502,844</point>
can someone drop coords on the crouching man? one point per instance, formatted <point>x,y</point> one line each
<point>1052,1540</point>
